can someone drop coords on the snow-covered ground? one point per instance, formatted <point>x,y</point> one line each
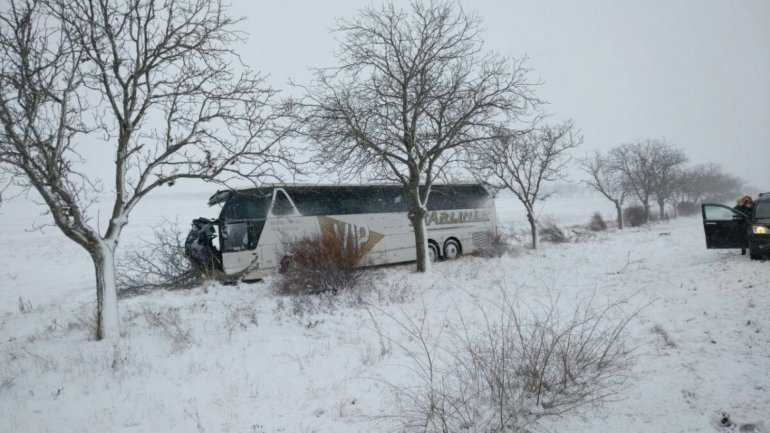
<point>242,359</point>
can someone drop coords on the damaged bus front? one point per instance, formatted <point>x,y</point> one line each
<point>239,226</point>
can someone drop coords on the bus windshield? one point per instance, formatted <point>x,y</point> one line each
<point>245,207</point>
<point>242,219</point>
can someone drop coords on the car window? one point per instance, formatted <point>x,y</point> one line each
<point>762,210</point>
<point>719,213</point>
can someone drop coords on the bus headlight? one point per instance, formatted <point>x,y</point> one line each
<point>761,230</point>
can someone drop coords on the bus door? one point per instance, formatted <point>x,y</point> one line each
<point>282,226</point>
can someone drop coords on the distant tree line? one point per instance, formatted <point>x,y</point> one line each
<point>653,172</point>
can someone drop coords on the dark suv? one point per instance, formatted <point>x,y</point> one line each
<point>728,228</point>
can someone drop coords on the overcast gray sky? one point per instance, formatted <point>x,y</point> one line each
<point>695,72</point>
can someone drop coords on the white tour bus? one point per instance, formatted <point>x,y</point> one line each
<point>254,223</point>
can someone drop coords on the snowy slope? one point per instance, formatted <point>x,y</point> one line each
<point>241,359</point>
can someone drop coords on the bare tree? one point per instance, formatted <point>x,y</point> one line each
<point>603,177</point>
<point>523,162</point>
<point>154,83</point>
<point>648,168</point>
<point>634,161</point>
<point>667,163</point>
<point>411,90</point>
<point>677,193</point>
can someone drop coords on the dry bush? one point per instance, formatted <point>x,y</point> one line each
<point>551,232</point>
<point>321,263</point>
<point>496,244</point>
<point>170,325</point>
<point>240,315</point>
<point>635,216</point>
<point>520,364</point>
<point>597,223</point>
<point>85,319</point>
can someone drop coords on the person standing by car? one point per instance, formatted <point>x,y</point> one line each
<point>745,205</point>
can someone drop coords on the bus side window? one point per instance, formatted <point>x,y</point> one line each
<point>281,204</point>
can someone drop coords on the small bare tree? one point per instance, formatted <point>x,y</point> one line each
<point>412,89</point>
<point>667,162</point>
<point>603,177</point>
<point>156,84</point>
<point>648,168</point>
<point>524,161</point>
<point>634,162</point>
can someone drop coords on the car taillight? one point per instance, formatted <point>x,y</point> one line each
<point>761,230</point>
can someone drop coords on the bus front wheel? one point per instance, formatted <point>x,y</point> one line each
<point>452,249</point>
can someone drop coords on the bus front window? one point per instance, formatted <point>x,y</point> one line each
<point>236,237</point>
<point>243,217</point>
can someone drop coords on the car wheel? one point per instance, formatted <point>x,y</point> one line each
<point>432,251</point>
<point>451,249</point>
<point>754,256</point>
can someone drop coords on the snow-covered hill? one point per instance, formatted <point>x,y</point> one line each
<point>242,359</point>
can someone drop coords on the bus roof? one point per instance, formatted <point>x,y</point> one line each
<point>223,195</point>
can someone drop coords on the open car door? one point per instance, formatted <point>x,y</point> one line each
<point>725,227</point>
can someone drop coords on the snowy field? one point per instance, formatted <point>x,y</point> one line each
<point>242,359</point>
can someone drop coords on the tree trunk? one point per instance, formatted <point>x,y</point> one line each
<point>533,227</point>
<point>619,210</point>
<point>107,322</point>
<point>676,209</point>
<point>662,207</point>
<point>417,217</point>
<point>420,239</point>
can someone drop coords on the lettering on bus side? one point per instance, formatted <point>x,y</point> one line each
<point>456,217</point>
<point>342,230</point>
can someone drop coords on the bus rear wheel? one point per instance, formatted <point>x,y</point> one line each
<point>432,251</point>
<point>452,249</point>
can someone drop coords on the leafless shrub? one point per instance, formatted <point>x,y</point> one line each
<point>386,293</point>
<point>497,244</point>
<point>519,365</point>
<point>169,324</point>
<point>597,223</point>
<point>635,216</point>
<point>321,263</point>
<point>551,232</point>
<point>25,306</point>
<point>85,318</point>
<point>159,263</point>
<point>239,315</point>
